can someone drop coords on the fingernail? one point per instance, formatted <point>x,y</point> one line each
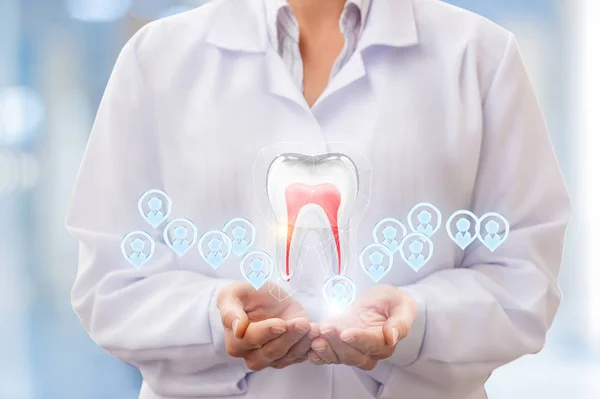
<point>277,330</point>
<point>395,335</point>
<point>300,330</point>
<point>348,338</point>
<point>314,357</point>
<point>320,349</point>
<point>234,325</point>
<point>327,329</point>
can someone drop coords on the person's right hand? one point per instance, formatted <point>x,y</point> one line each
<point>262,330</point>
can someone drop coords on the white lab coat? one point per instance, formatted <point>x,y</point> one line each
<point>436,98</point>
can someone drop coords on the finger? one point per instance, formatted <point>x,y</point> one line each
<point>299,351</point>
<point>364,340</point>
<point>314,358</point>
<point>232,311</point>
<point>279,347</point>
<point>398,325</point>
<point>345,353</point>
<point>324,351</point>
<point>260,332</point>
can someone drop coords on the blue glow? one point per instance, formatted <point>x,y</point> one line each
<point>412,250</point>
<point>257,268</point>
<point>217,250</point>
<point>137,248</point>
<point>22,111</point>
<point>426,223</point>
<point>376,261</point>
<point>155,207</point>
<point>98,10</point>
<point>492,230</point>
<point>180,235</point>
<point>462,228</point>
<point>339,292</point>
<point>386,233</point>
<point>242,234</point>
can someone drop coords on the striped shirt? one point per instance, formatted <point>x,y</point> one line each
<point>284,33</point>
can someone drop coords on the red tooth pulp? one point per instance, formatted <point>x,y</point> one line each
<point>325,195</point>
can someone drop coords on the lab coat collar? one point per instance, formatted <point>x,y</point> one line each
<point>241,25</point>
<point>390,23</point>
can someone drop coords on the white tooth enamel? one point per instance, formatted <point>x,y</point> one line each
<point>336,169</point>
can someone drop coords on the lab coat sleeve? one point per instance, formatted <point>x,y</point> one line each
<point>162,318</point>
<point>494,307</point>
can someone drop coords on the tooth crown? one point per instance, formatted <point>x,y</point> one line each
<point>312,193</point>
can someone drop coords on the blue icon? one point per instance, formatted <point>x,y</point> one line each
<point>390,228</point>
<point>180,234</point>
<point>416,250</point>
<point>339,292</point>
<point>257,267</point>
<point>155,207</point>
<point>376,260</point>
<point>242,234</point>
<point>214,247</point>
<point>425,222</point>
<point>137,248</point>
<point>462,228</point>
<point>490,231</point>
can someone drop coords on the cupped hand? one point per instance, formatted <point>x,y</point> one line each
<point>368,330</point>
<point>263,330</point>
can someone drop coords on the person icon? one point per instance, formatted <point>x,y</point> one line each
<point>239,243</point>
<point>181,244</point>
<point>257,275</point>
<point>215,256</point>
<point>138,257</point>
<point>389,235</point>
<point>257,267</point>
<point>425,227</point>
<point>137,248</point>
<point>155,216</point>
<point>463,236</point>
<point>492,239</point>
<point>376,269</point>
<point>416,258</point>
<point>340,297</point>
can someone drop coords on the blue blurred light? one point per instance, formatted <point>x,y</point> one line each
<point>149,9</point>
<point>98,10</point>
<point>173,10</point>
<point>21,113</point>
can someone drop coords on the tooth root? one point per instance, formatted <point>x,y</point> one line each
<point>328,249</point>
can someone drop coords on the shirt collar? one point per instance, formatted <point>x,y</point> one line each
<point>273,9</point>
<point>240,24</point>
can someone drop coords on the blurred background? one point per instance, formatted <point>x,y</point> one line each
<point>55,59</point>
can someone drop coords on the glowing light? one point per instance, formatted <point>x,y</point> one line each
<point>98,10</point>
<point>21,112</point>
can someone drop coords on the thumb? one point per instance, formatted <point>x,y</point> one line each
<point>233,315</point>
<point>398,325</point>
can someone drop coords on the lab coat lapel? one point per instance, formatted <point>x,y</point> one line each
<point>351,72</point>
<point>280,82</point>
<point>239,26</point>
<point>390,23</point>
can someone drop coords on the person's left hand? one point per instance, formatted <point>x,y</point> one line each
<point>367,331</point>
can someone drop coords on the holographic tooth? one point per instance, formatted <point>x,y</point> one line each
<point>312,194</point>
